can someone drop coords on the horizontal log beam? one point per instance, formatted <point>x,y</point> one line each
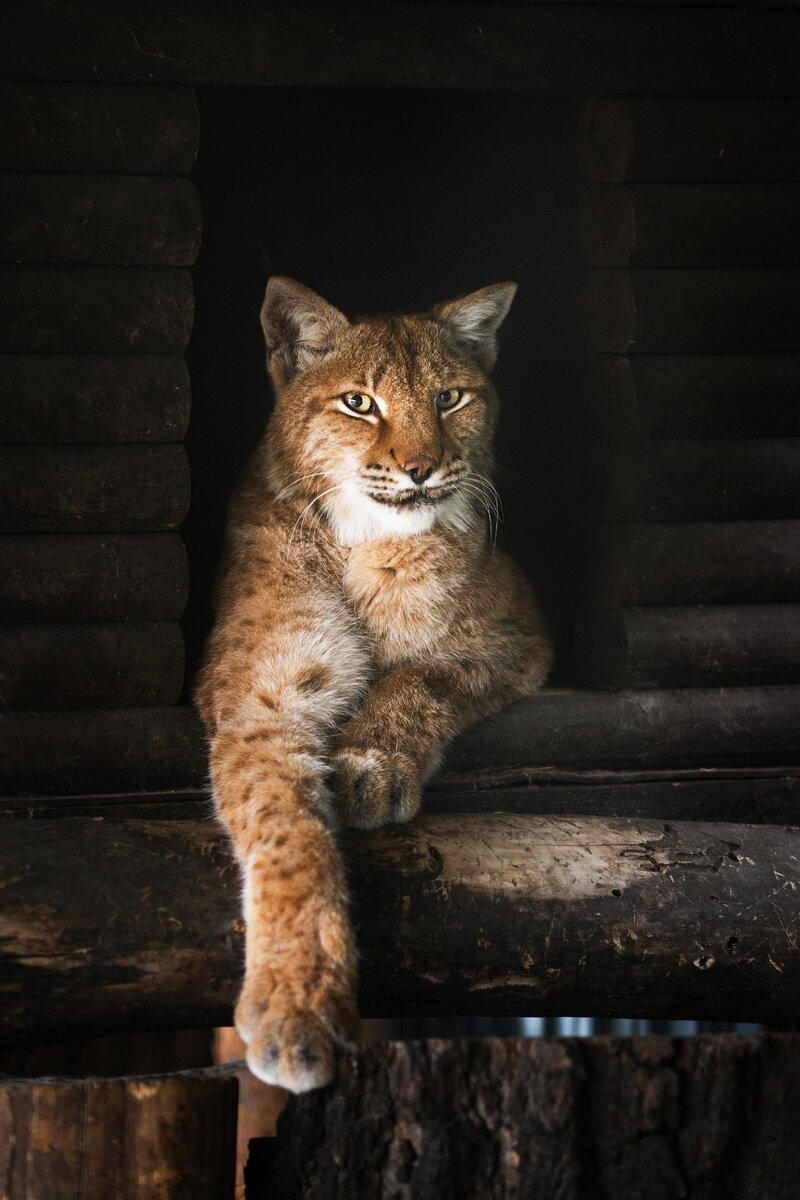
<point>679,646</point>
<point>726,138</point>
<point>690,225</point>
<point>492,1118</point>
<point>136,923</point>
<point>93,577</point>
<point>91,127</point>
<point>700,479</point>
<point>137,220</point>
<point>701,311</point>
<point>126,664</point>
<point>697,562</point>
<point>64,489</point>
<point>95,310</point>
<point>706,395</point>
<point>546,48</point>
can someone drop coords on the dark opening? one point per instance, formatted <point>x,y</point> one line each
<point>387,200</point>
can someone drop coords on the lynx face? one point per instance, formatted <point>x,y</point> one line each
<point>384,427</point>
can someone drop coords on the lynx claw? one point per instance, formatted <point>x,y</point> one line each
<point>375,787</point>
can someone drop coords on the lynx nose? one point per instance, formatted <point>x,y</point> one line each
<point>419,468</point>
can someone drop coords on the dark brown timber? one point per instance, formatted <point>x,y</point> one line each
<point>704,395</point>
<point>93,577</point>
<point>95,310</point>
<point>707,310</point>
<point>458,913</point>
<point>108,665</point>
<point>697,562</point>
<point>92,488</point>
<point>558,1119</point>
<point>131,219</point>
<point>690,225</point>
<point>680,139</point>
<point>547,47</point>
<point>146,1136</point>
<point>93,398</point>
<point>682,646</point>
<point>90,127</point>
<point>698,480</point>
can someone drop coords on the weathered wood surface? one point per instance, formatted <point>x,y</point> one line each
<point>553,48</point>
<point>95,310</point>
<point>702,479</point>
<point>652,139</point>
<point>557,1119</point>
<point>93,488</point>
<point>683,646</point>
<point>690,225</point>
<point>93,577</point>
<point>134,749</point>
<point>94,398</point>
<point>139,220</point>
<point>102,665</point>
<point>705,395</point>
<point>697,562</point>
<point>91,127</point>
<point>702,311</point>
<point>136,923</point>
<point>89,751</point>
<point>150,1137</point>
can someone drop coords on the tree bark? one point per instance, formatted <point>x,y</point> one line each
<point>655,1118</point>
<point>158,1137</point>
<point>135,924</point>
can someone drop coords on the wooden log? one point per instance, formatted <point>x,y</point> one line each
<point>110,665</point>
<point>707,395</point>
<point>694,562</point>
<point>119,749</point>
<point>94,398</point>
<point>131,219</point>
<point>653,139</point>
<point>91,127</point>
<point>92,488</point>
<point>95,310</point>
<point>458,913</point>
<point>550,48</point>
<point>681,646</point>
<point>131,1138</point>
<point>690,225</point>
<point>93,577</point>
<point>703,311</point>
<point>622,1118</point>
<point>697,480</point>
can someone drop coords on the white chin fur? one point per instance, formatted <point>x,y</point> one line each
<point>355,518</point>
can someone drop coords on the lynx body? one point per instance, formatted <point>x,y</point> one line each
<point>364,618</point>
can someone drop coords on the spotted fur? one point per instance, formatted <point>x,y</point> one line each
<point>364,617</point>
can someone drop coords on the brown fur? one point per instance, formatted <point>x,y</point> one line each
<point>354,637</point>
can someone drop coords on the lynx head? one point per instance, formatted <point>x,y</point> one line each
<point>383,424</point>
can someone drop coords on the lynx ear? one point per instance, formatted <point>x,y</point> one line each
<point>299,327</point>
<point>475,319</point>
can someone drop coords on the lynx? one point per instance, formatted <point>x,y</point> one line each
<point>363,618</point>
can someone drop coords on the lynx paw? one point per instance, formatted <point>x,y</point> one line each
<point>375,787</point>
<point>293,1049</point>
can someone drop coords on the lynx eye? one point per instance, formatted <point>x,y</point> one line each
<point>449,397</point>
<point>358,402</point>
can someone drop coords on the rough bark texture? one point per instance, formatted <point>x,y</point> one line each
<point>93,398</point>
<point>89,127</point>
<point>159,1137</point>
<point>129,219</point>
<point>713,1118</point>
<point>135,924</point>
<point>72,489</point>
<point>704,395</point>
<point>93,577</point>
